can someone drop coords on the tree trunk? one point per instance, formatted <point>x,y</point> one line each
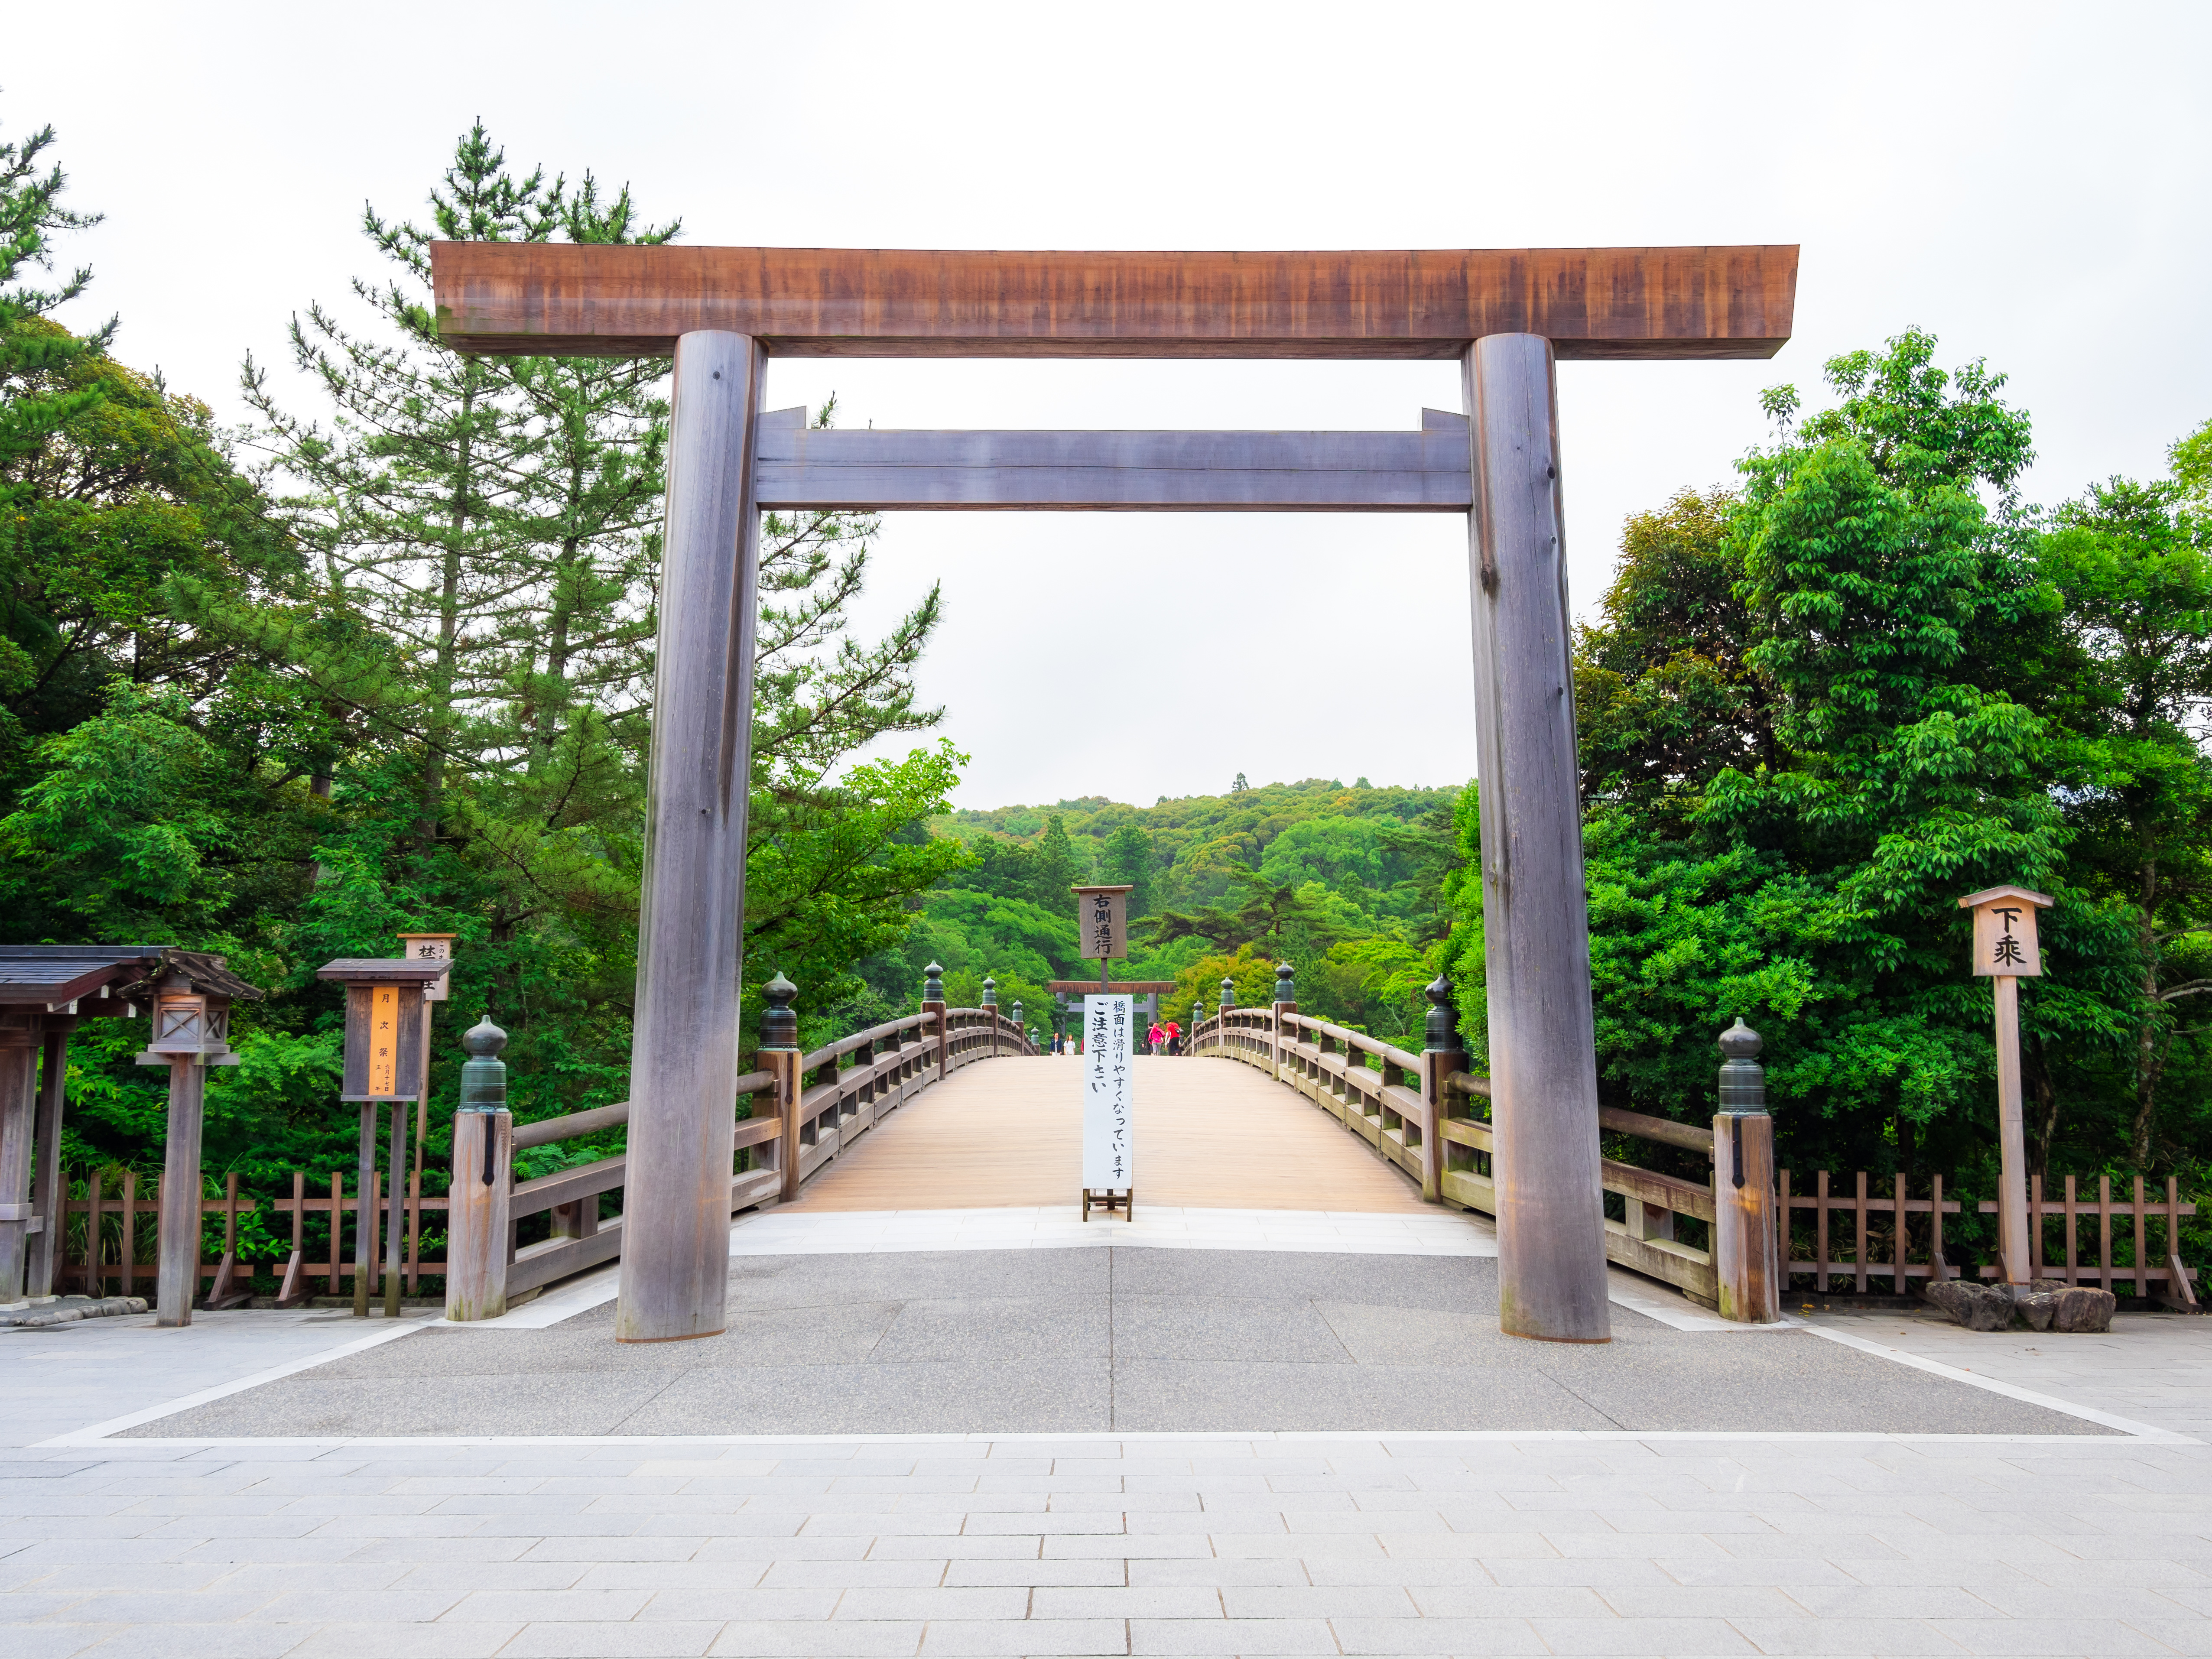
<point>2046,1106</point>
<point>449,623</point>
<point>2147,1063</point>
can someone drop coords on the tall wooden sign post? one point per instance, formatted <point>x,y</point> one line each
<point>388,1055</point>
<point>424,947</point>
<point>2005,949</point>
<point>1504,315</point>
<point>1101,926</point>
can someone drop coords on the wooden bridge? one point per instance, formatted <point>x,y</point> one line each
<point>903,1116</point>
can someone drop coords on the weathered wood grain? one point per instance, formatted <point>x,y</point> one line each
<point>476,1220</point>
<point>802,467</point>
<point>51,1191</point>
<point>177,1271</point>
<point>1213,1136</point>
<point>684,1057</point>
<point>1543,1069</point>
<point>20,1042</point>
<point>1747,1255</point>
<point>626,301</point>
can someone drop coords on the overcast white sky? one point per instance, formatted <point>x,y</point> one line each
<point>2027,181</point>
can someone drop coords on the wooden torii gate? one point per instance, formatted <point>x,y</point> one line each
<point>1504,315</point>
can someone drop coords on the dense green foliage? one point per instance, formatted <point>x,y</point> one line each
<point>392,671</point>
<point>1346,883</point>
<point>397,676</point>
<point>1816,713</point>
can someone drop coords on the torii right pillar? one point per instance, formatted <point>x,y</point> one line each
<point>1543,1050</point>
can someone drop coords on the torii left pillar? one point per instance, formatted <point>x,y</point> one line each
<point>684,1057</point>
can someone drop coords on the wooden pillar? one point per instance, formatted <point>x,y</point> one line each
<point>684,1057</point>
<point>1441,1055</point>
<point>783,1064</point>
<point>364,1212</point>
<point>1745,1260</point>
<point>1543,1058</point>
<point>177,1272</point>
<point>2012,1224</point>
<point>395,1207</point>
<point>933,1004</point>
<point>780,1057</point>
<point>476,1221</point>
<point>50,1193</point>
<point>21,1036</point>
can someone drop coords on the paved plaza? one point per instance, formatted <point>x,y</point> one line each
<point>911,1448</point>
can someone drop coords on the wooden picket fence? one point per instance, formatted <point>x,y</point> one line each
<point>2154,1270</point>
<point>118,1225</point>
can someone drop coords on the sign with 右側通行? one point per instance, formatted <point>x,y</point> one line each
<point>1106,1103</point>
<point>1101,921</point>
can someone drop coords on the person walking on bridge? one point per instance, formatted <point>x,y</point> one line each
<point>1175,1038</point>
<point>1156,1037</point>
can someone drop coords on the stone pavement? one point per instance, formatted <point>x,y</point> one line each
<point>2094,1538</point>
<point>1149,1339</point>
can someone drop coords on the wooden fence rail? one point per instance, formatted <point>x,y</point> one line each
<point>114,1221</point>
<point>806,1110</point>
<point>1422,1118</point>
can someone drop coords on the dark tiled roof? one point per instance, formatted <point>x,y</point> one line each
<point>63,973</point>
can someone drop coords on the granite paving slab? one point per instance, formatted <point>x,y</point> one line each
<point>1076,1341</point>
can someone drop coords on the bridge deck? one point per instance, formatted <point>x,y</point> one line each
<point>1209,1135</point>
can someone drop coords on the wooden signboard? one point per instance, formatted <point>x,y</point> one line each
<point>1101,921</point>
<point>383,1043</point>
<point>2004,933</point>
<point>2005,950</point>
<point>429,947</point>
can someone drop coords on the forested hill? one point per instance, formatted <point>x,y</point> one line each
<point>1347,883</point>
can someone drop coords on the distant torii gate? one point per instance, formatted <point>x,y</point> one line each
<point>1505,316</point>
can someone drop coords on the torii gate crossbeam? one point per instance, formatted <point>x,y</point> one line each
<point>1505,315</point>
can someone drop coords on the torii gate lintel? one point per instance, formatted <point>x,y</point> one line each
<point>1508,316</point>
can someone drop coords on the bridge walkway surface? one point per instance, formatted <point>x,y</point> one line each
<point>1273,1415</point>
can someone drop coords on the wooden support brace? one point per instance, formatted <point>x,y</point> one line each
<point>866,470</point>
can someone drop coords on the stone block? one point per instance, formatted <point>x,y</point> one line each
<point>1977,1307</point>
<point>2081,1309</point>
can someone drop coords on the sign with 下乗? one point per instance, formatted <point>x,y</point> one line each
<point>1107,1135</point>
<point>2004,933</point>
<point>1102,921</point>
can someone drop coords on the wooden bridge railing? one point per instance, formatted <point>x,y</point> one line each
<point>805,1109</point>
<point>1420,1112</point>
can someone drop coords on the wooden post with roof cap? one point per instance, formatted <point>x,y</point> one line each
<point>192,1031</point>
<point>2005,949</point>
<point>387,1025</point>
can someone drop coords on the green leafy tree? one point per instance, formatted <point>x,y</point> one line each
<point>1272,917</point>
<point>1665,696</point>
<point>2136,572</point>
<point>1056,869</point>
<point>1126,859</point>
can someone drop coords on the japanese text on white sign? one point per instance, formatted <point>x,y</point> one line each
<point>1106,1096</point>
